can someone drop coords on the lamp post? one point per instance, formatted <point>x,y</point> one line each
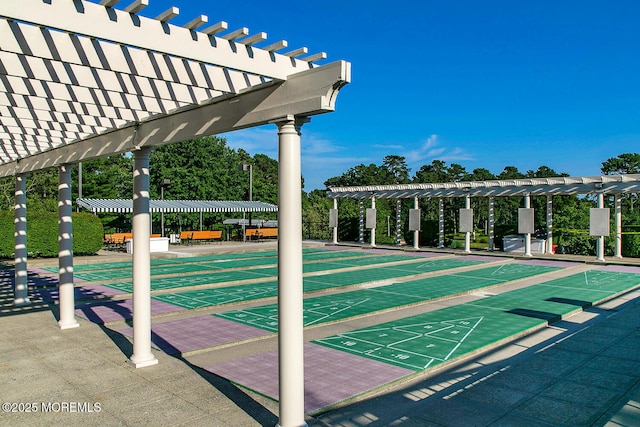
<point>247,167</point>
<point>165,183</point>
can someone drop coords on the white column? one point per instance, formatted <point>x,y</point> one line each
<point>398,221</point>
<point>142,355</point>
<point>290,314</point>
<point>373,230</point>
<point>618,219</point>
<point>467,235</point>
<point>416,233</point>
<point>65,250</point>
<point>361,223</point>
<point>492,223</point>
<point>335,229</point>
<point>600,244</point>
<point>549,248</point>
<point>21,289</point>
<point>441,222</point>
<point>527,236</point>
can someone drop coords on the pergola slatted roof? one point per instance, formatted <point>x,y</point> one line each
<point>126,206</point>
<point>628,183</point>
<point>75,71</point>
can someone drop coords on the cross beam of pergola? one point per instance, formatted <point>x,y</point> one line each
<point>81,80</point>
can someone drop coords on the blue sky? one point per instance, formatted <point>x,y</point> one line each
<point>483,84</point>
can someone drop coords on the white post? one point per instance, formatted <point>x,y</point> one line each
<point>467,235</point>
<point>290,312</point>
<point>416,233</point>
<point>549,249</point>
<point>162,211</point>
<point>492,223</point>
<point>441,222</point>
<point>373,230</point>
<point>142,355</point>
<point>618,219</point>
<point>65,250</point>
<point>335,229</point>
<point>398,221</point>
<point>527,236</point>
<point>361,223</point>
<point>21,289</point>
<point>600,245</point>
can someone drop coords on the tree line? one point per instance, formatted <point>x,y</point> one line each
<point>208,169</point>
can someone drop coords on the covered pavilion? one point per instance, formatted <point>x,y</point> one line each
<point>125,206</point>
<point>172,206</point>
<point>81,80</point>
<point>601,186</point>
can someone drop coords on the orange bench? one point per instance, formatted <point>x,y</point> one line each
<point>120,238</point>
<point>205,235</point>
<point>262,233</point>
<point>117,238</point>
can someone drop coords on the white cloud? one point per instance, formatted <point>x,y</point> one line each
<point>323,158</point>
<point>431,150</point>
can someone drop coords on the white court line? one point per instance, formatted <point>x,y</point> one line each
<point>335,312</point>
<point>498,269</point>
<point>479,278</point>
<point>464,338</point>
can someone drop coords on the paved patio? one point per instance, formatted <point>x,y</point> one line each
<point>584,370</point>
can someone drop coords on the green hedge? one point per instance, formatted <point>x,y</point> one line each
<point>42,234</point>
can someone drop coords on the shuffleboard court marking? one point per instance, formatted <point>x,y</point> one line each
<point>586,279</point>
<point>334,309</point>
<point>498,269</point>
<point>217,296</point>
<point>266,317</point>
<point>431,345</point>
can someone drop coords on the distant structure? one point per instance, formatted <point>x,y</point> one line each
<point>602,186</point>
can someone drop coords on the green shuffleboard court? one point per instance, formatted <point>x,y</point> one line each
<point>224,262</point>
<point>166,261</point>
<point>332,308</point>
<point>193,280</point>
<point>245,292</point>
<point>350,278</point>
<point>426,340</point>
<point>414,265</point>
<point>211,297</point>
<point>308,253</point>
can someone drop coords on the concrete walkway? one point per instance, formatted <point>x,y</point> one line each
<point>584,370</point>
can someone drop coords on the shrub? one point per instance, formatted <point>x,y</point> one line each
<point>457,244</point>
<point>42,234</point>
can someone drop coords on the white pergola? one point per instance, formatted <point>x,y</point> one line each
<point>82,80</point>
<point>599,185</point>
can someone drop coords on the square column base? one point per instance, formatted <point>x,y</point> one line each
<point>21,302</point>
<point>69,325</point>
<point>144,363</point>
